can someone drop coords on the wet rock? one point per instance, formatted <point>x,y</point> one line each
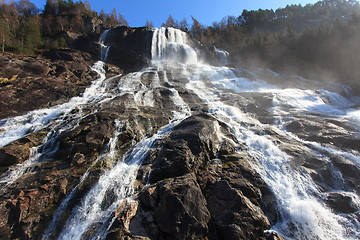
<point>121,226</point>
<point>130,48</point>
<point>233,214</point>
<point>78,159</point>
<point>194,195</point>
<point>272,235</point>
<point>192,142</point>
<point>20,150</point>
<point>342,202</point>
<point>112,70</point>
<point>181,213</point>
<point>175,209</point>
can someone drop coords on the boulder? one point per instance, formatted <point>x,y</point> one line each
<point>342,202</point>
<point>192,143</point>
<point>196,195</point>
<point>175,209</point>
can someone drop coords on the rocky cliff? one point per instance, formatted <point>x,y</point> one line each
<point>171,150</point>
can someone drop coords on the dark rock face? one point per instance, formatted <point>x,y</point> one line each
<point>183,152</point>
<point>130,48</point>
<point>207,197</point>
<point>27,206</point>
<point>341,203</point>
<point>196,182</point>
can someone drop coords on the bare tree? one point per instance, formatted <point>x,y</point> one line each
<point>184,25</point>
<point>170,22</point>
<point>149,24</point>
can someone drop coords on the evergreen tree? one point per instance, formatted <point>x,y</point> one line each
<point>30,36</point>
<point>6,35</point>
<point>50,7</point>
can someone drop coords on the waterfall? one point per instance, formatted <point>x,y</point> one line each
<point>223,56</point>
<point>113,188</point>
<point>303,215</point>
<point>303,212</point>
<point>169,44</point>
<point>104,49</point>
<point>248,102</point>
<point>53,118</point>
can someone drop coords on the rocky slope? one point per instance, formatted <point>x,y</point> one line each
<point>171,151</point>
<point>32,82</point>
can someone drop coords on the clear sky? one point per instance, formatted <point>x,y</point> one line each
<point>136,12</point>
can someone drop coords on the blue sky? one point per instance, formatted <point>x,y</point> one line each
<point>136,12</point>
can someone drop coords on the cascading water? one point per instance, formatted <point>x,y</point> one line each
<point>223,56</point>
<point>300,201</point>
<point>263,126</point>
<point>53,118</point>
<point>18,127</point>
<point>171,45</point>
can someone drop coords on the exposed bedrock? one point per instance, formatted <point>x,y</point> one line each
<point>130,48</point>
<point>200,188</point>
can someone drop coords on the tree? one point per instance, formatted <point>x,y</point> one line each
<point>170,22</point>
<point>196,29</point>
<point>121,21</point>
<point>50,7</point>
<point>149,24</point>
<point>6,34</point>
<point>26,8</point>
<point>102,14</point>
<point>184,25</point>
<point>29,33</point>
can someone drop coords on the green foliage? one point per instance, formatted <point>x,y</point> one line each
<point>323,37</point>
<point>7,36</point>
<point>29,34</point>
<point>25,30</point>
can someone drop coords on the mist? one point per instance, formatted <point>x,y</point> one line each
<point>295,42</point>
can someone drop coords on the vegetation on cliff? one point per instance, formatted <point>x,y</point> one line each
<point>312,39</point>
<point>26,29</point>
<point>320,38</point>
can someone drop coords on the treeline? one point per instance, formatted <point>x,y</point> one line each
<point>25,29</point>
<point>317,38</point>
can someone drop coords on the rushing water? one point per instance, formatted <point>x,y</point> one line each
<point>58,119</point>
<point>300,200</point>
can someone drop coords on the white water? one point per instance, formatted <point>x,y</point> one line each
<point>113,188</point>
<point>223,56</point>
<point>171,45</point>
<point>116,185</point>
<point>109,154</point>
<point>303,213</point>
<point>54,118</point>
<point>305,217</point>
<point>12,129</point>
<point>57,119</point>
